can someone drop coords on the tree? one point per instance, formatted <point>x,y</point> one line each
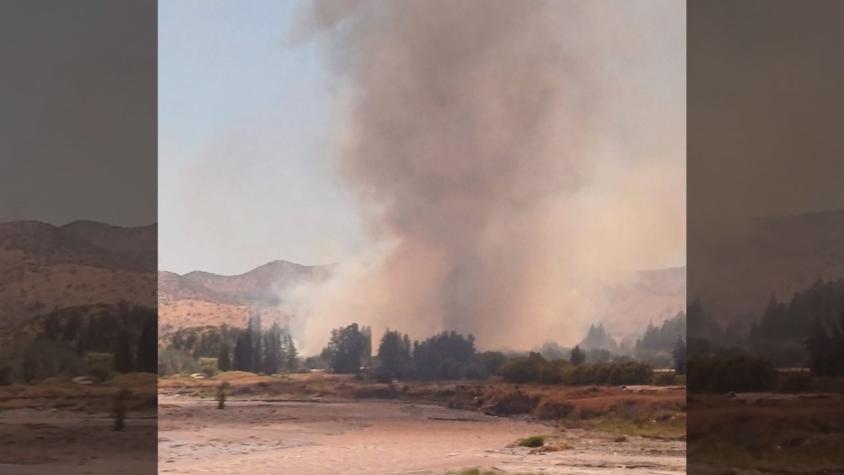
<point>346,349</point>
<point>254,329</point>
<point>272,350</point>
<point>393,353</point>
<point>224,361</point>
<point>290,355</point>
<point>444,356</point>
<point>243,352</point>
<point>820,348</point>
<point>123,353</point>
<point>148,347</point>
<point>577,356</point>
<point>679,354</point>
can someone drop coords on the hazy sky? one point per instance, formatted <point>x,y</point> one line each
<point>77,123</point>
<point>247,130</point>
<point>244,140</point>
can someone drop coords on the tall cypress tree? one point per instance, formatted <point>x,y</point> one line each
<point>254,329</point>
<point>123,353</point>
<point>223,359</point>
<point>272,350</point>
<point>291,355</point>
<point>243,352</point>
<point>148,347</point>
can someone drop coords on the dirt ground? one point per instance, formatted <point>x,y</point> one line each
<point>283,429</point>
<point>65,428</point>
<point>766,432</point>
<point>70,443</point>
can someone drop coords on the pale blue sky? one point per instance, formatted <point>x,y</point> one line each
<point>244,118</point>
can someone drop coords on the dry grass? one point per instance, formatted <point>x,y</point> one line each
<point>657,413</point>
<point>768,432</point>
<point>65,394</point>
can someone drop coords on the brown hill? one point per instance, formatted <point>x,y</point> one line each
<point>44,267</point>
<point>201,298</point>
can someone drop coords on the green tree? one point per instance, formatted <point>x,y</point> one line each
<point>820,348</point>
<point>446,355</point>
<point>123,361</point>
<point>577,356</point>
<point>679,354</point>
<point>290,354</point>
<point>393,354</point>
<point>346,349</point>
<point>273,357</point>
<point>148,347</point>
<point>244,352</point>
<point>224,361</point>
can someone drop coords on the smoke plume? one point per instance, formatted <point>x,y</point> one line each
<point>471,135</point>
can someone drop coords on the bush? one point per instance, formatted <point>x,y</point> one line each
<point>513,403</point>
<point>173,361</point>
<point>665,379</point>
<point>629,372</point>
<point>524,369</point>
<point>797,382</point>
<point>731,374</point>
<point>208,366</point>
<point>535,369</point>
<point>100,365</point>
<point>532,441</point>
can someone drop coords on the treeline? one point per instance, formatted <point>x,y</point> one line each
<point>88,340</point>
<point>805,331</point>
<point>451,355</point>
<point>659,346</point>
<point>209,350</point>
<point>825,347</point>
<point>534,368</point>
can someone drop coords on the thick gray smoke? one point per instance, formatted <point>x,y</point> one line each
<point>471,139</point>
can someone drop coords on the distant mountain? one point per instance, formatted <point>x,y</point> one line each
<point>649,297</point>
<point>44,268</point>
<point>201,298</point>
<point>736,275</point>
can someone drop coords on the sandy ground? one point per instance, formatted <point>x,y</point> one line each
<point>38,442</point>
<point>383,437</point>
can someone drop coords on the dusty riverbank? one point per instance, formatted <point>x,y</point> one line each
<point>63,427</point>
<point>278,427</point>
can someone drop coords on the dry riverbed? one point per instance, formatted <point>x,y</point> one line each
<point>329,435</point>
<point>65,428</point>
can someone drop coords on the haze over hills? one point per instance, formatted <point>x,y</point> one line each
<point>205,299</point>
<point>651,296</point>
<point>44,268</point>
<point>772,256</point>
<point>202,298</point>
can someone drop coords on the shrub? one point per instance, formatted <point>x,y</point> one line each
<point>665,379</point>
<point>512,403</point>
<point>527,369</point>
<point>208,366</point>
<point>733,373</point>
<point>174,361</point>
<point>798,382</point>
<point>535,369</point>
<point>221,394</point>
<point>100,365</point>
<point>630,372</point>
<point>532,441</point>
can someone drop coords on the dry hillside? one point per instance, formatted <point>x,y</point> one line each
<point>202,298</point>
<point>44,267</point>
